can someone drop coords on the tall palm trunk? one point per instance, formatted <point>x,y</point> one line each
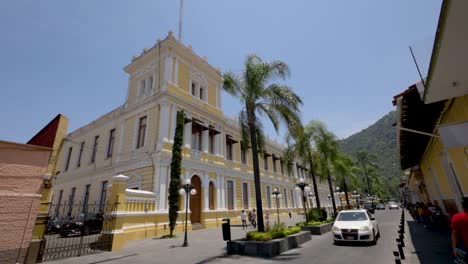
<point>314,182</point>
<point>367,177</point>
<point>256,170</point>
<point>331,192</point>
<point>346,192</point>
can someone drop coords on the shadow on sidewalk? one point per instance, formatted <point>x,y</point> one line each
<point>431,245</point>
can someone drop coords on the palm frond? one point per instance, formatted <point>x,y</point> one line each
<point>233,85</point>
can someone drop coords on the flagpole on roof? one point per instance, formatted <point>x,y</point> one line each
<point>180,18</point>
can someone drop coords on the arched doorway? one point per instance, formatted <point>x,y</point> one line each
<point>195,201</point>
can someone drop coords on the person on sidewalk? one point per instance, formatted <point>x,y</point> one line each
<point>290,213</point>
<point>459,225</point>
<point>250,218</point>
<point>254,218</point>
<point>244,219</point>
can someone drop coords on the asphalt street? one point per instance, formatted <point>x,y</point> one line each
<point>322,250</point>
<point>206,246</point>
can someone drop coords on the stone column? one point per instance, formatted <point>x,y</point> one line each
<point>218,192</point>
<point>205,139</point>
<point>117,200</point>
<point>164,119</point>
<point>206,191</point>
<point>222,191</point>
<point>188,135</point>
<point>173,122</point>
<point>163,173</point>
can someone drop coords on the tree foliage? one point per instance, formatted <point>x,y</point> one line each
<point>176,161</point>
<point>379,141</point>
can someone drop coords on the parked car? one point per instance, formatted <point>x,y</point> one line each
<point>355,225</point>
<point>380,206</point>
<point>54,224</point>
<point>369,206</point>
<point>392,205</point>
<point>84,225</point>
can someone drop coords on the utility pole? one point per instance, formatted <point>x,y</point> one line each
<point>180,19</point>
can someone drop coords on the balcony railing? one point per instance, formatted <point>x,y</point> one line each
<point>196,154</point>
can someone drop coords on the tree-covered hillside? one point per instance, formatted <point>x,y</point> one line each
<point>379,140</point>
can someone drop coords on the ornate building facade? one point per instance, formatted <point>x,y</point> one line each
<point>136,140</point>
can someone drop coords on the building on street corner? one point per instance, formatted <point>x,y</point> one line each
<point>135,140</point>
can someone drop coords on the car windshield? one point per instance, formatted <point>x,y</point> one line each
<point>352,216</point>
<point>392,203</point>
<point>367,205</point>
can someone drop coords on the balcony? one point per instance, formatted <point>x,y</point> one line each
<point>196,154</point>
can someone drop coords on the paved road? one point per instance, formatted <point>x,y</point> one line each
<point>206,246</point>
<point>321,249</point>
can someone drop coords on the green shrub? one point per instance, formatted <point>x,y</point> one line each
<point>317,214</point>
<point>277,231</point>
<point>259,236</point>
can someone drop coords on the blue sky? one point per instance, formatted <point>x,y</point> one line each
<point>347,58</point>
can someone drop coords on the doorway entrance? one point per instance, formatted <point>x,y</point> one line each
<point>195,201</point>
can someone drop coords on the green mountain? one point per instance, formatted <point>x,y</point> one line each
<point>379,140</point>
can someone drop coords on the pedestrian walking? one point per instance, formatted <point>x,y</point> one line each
<point>244,219</point>
<point>254,218</point>
<point>459,225</point>
<point>250,218</point>
<point>290,213</point>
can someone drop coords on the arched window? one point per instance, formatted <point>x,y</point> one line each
<point>211,195</point>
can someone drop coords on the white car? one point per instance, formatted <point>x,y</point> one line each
<point>355,225</point>
<point>392,205</point>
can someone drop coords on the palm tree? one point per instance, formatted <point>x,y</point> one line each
<point>327,146</point>
<point>302,149</point>
<point>365,160</point>
<point>344,168</point>
<point>261,97</point>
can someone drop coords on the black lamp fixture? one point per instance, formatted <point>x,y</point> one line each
<point>185,190</point>
<point>303,187</point>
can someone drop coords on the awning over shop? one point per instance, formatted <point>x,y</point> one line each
<point>415,115</point>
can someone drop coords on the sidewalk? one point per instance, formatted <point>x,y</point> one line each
<point>205,246</point>
<point>426,245</point>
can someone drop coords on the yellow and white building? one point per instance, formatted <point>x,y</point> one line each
<point>433,118</point>
<point>136,139</point>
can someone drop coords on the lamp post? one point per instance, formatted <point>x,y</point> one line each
<point>303,187</point>
<point>185,190</point>
<point>337,193</point>
<point>276,194</point>
<point>356,196</point>
<point>311,199</point>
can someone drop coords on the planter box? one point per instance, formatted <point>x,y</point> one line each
<point>267,249</point>
<point>318,230</point>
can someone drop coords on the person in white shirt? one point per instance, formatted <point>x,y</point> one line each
<point>244,219</point>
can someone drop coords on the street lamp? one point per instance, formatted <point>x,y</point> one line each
<point>337,193</point>
<point>185,190</point>
<point>356,196</point>
<point>303,187</point>
<point>311,199</point>
<point>276,194</point>
<point>329,203</point>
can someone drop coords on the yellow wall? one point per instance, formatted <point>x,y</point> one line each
<point>432,159</point>
<point>184,77</point>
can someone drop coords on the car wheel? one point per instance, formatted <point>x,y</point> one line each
<point>374,241</point>
<point>85,231</point>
